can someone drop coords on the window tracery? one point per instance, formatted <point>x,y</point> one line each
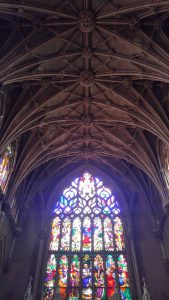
<point>87,251</point>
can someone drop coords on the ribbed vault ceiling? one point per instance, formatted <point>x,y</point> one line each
<point>85,81</point>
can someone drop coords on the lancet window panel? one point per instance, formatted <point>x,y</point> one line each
<point>87,253</point>
<point>6,165</point>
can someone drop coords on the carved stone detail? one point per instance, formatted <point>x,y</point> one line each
<point>87,121</point>
<point>88,152</point>
<point>127,82</point>
<point>87,53</point>
<point>157,24</point>
<point>86,21</point>
<point>38,24</point>
<point>133,24</point>
<point>86,78</point>
<point>148,47</point>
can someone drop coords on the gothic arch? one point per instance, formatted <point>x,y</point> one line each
<point>129,246</point>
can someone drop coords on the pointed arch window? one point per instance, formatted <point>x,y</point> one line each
<point>166,167</point>
<point>87,251</point>
<point>6,165</point>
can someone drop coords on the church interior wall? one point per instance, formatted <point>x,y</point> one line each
<point>149,254</point>
<point>24,257</point>
<point>84,84</point>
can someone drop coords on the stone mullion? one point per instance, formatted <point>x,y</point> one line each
<point>134,280</point>
<point>92,256</point>
<point>58,258</point>
<point>61,226</point>
<point>81,259</point>
<point>116,254</point>
<point>57,277</point>
<point>104,260</point>
<point>43,253</point>
<point>69,260</point>
<point>68,275</point>
<point>71,234</point>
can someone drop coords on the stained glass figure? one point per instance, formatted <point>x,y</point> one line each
<point>76,235</point>
<point>123,278</point>
<point>55,234</point>
<point>50,278</point>
<point>100,294</point>
<point>65,240</point>
<point>87,249</point>
<point>119,235</point>
<point>108,234</point>
<point>87,271</point>
<point>110,275</point>
<point>98,235</point>
<point>49,294</point>
<point>6,161</point>
<point>75,271</point>
<point>86,186</point>
<point>98,271</point>
<point>63,276</point>
<point>87,234</point>
<point>87,277</point>
<point>74,294</point>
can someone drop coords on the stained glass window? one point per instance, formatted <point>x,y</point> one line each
<point>6,164</point>
<point>87,253</point>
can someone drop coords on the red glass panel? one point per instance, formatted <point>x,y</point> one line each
<point>87,234</point>
<point>110,275</point>
<point>61,293</point>
<point>110,293</point>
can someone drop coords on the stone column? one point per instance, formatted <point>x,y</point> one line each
<point>42,242</point>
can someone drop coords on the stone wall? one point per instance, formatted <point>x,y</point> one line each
<point>23,262</point>
<point>149,254</point>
